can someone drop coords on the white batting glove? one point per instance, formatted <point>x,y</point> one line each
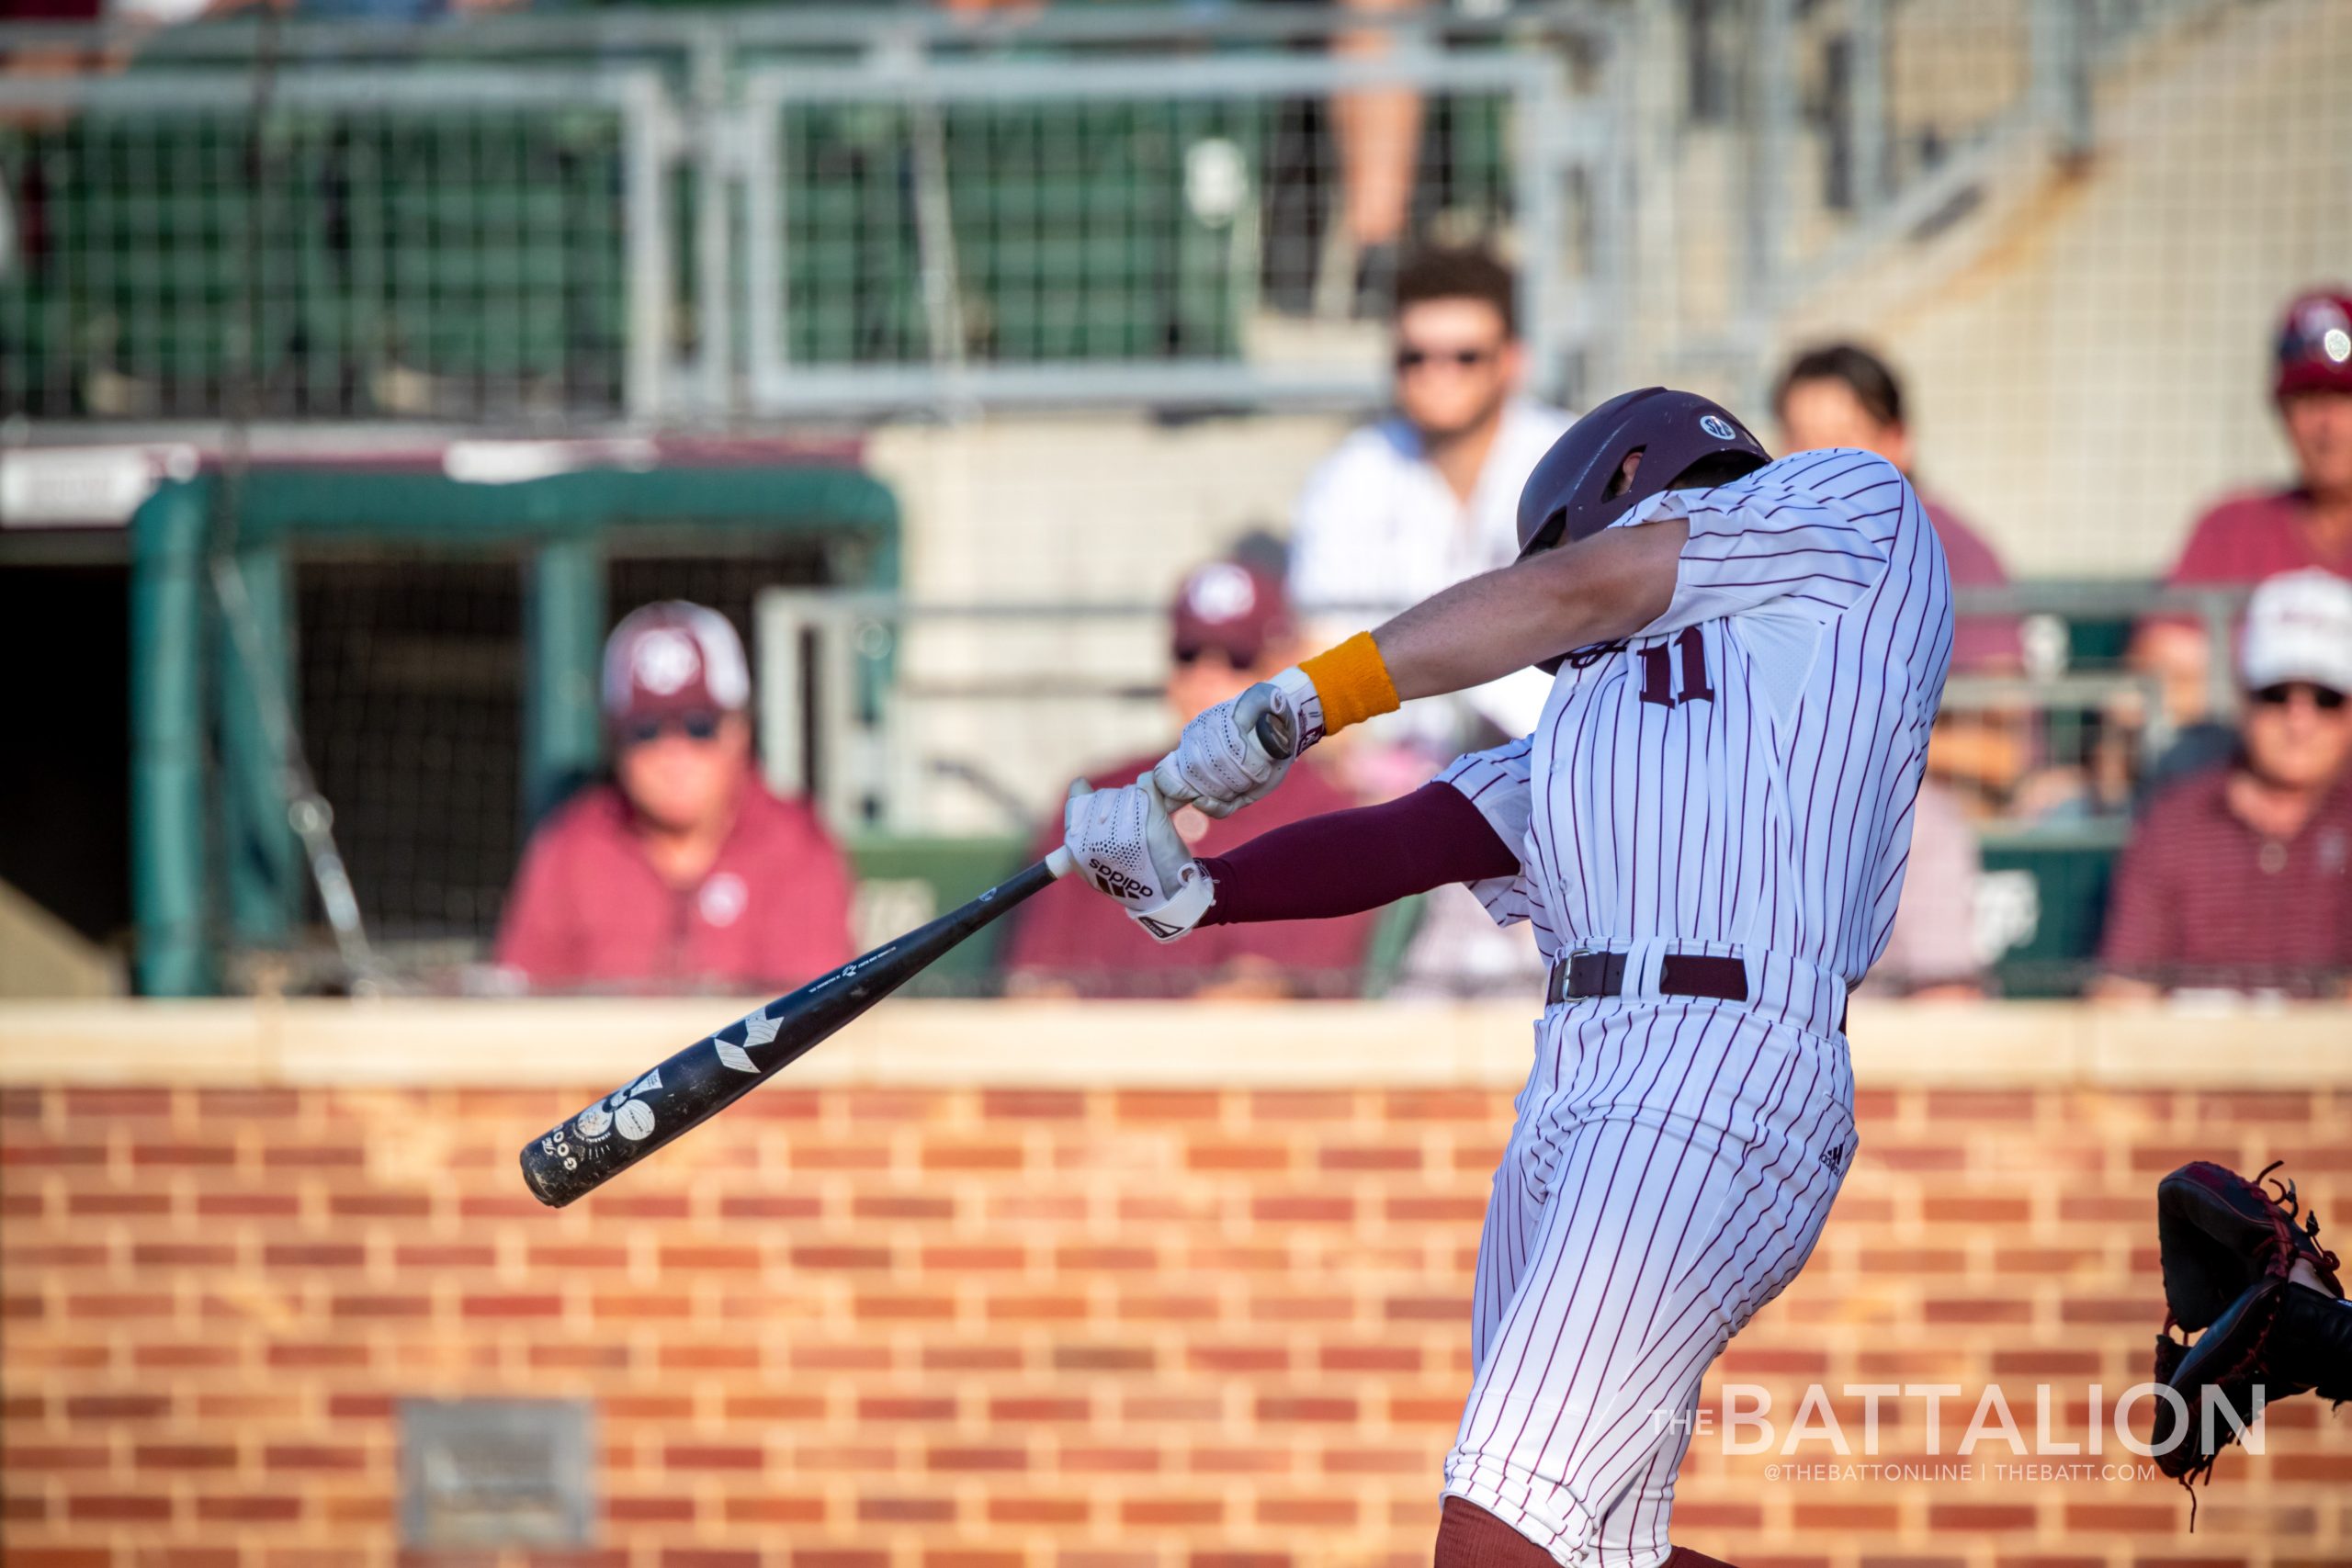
<point>1126,846</point>
<point>1221,764</point>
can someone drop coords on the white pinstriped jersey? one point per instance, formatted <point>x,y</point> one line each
<point>1738,780</point>
<point>1742,773</point>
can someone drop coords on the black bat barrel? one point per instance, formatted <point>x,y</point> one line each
<point>586,1151</point>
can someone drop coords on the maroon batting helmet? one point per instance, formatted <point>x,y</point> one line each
<point>1573,493</point>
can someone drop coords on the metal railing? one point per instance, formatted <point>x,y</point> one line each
<point>336,243</point>
<point>988,232</point>
<point>854,712</point>
<point>910,208</point>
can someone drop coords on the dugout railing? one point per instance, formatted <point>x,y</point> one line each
<point>425,651</point>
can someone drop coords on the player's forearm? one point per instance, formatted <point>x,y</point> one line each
<point>1609,586</point>
<point>1344,863</point>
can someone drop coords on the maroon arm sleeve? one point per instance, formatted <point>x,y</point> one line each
<point>1343,863</point>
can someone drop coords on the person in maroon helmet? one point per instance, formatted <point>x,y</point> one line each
<point>684,872</point>
<point>2249,538</point>
<point>1229,628</point>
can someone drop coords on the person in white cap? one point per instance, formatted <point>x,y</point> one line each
<point>2239,876</point>
<point>684,872</point>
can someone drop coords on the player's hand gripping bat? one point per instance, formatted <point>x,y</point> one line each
<point>583,1153</point>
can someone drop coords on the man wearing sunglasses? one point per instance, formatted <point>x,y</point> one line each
<point>1428,495</point>
<point>683,873</point>
<point>1229,628</point>
<point>2239,876</point>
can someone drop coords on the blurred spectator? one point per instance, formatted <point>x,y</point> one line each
<point>684,872</point>
<point>1378,133</point>
<point>1429,495</point>
<point>1931,953</point>
<point>2248,538</point>
<point>1231,627</point>
<point>1843,395</point>
<point>2237,878</point>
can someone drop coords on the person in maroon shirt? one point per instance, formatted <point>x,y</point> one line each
<point>1843,395</point>
<point>2237,876</point>
<point>1231,627</point>
<point>2246,538</point>
<point>684,872</point>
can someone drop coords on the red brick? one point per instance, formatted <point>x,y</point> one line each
<point>249,1508</point>
<point>1033,1104</point>
<point>841,1256</point>
<point>439,1256</point>
<point>114,1104</point>
<point>1235,1154</point>
<point>1170,1513</point>
<point>247,1205</point>
<point>709,1255</point>
<point>766,1508</point>
<point>1167,1105</point>
<point>771,1206</point>
<point>1302,1208</point>
<point>314,1255</point>
<point>1273,1408</point>
<point>242,1105</point>
<point>713,1456</point>
<point>971,1155</point>
<point>1019,1510</point>
<point>313,1457</point>
<point>906,1510</point>
<point>185,1456</point>
<point>1370,1157</point>
<point>906,1407</point>
<point>118,1508</point>
<point>519,1304</point>
<point>902,1206</point>
<point>313,1156</point>
<point>117,1406</point>
<point>95,1205</point>
<point>930,1306</point>
<point>649,1508</point>
<point>989,1460</point>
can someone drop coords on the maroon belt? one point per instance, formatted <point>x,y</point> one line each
<point>1585,973</point>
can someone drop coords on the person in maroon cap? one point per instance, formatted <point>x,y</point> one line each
<point>684,872</point>
<point>1231,627</point>
<point>2248,538</point>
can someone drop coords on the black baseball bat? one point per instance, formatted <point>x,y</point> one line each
<point>583,1152</point>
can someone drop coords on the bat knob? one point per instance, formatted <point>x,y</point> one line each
<point>1274,732</point>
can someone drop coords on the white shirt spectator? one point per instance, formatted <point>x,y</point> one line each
<point>1378,529</point>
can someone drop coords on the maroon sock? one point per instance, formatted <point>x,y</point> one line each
<point>1683,1557</point>
<point>1469,1537</point>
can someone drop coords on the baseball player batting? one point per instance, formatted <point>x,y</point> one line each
<point>1707,832</point>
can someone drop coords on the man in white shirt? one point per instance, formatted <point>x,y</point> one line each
<point>1428,495</point>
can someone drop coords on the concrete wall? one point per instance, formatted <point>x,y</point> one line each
<point>989,1286</point>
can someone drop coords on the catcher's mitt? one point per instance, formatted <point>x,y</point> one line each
<point>2219,1232</point>
<point>2228,1248</point>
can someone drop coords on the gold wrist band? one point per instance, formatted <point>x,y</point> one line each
<point>1352,680</point>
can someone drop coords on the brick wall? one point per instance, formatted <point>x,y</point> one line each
<point>987,1326</point>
